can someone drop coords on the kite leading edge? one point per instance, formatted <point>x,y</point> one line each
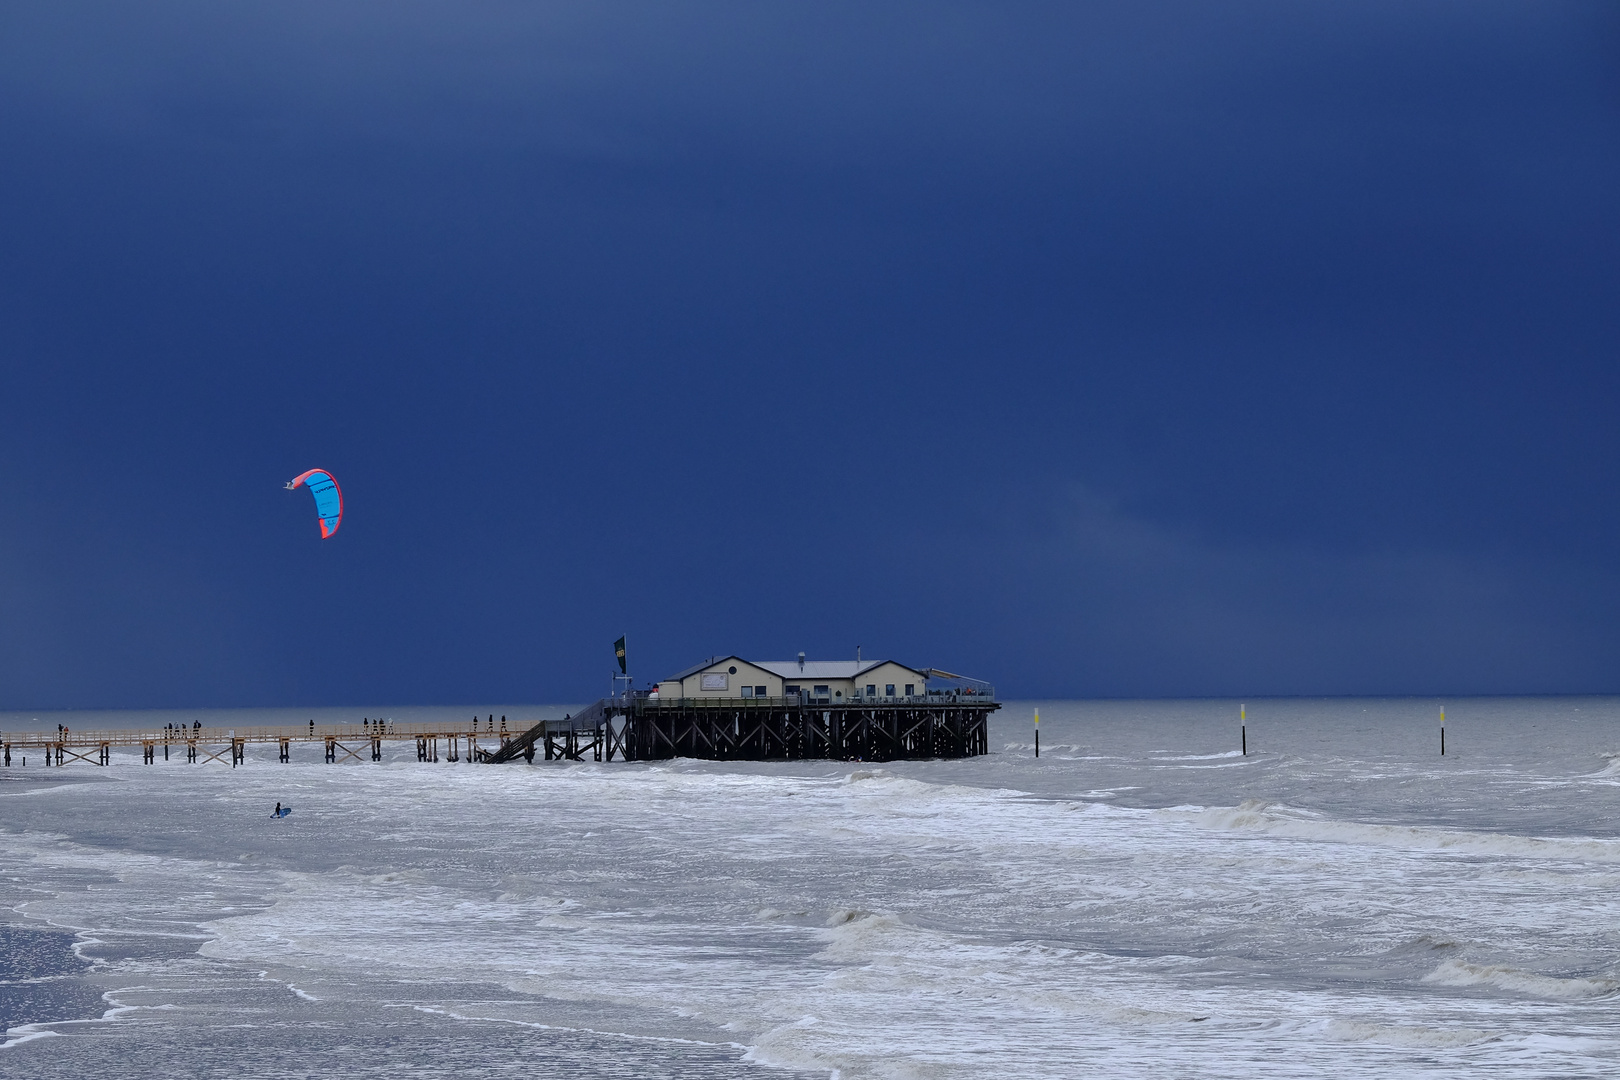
<point>328,498</point>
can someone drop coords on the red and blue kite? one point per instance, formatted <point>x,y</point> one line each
<point>328,498</point>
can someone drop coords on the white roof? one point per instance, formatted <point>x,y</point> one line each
<point>821,669</point>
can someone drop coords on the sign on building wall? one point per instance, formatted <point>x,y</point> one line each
<point>714,682</point>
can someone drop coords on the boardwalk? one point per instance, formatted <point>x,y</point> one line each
<point>469,740</point>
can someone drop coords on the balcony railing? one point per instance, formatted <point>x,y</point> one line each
<point>974,695</point>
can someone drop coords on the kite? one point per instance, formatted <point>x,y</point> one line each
<point>328,498</point>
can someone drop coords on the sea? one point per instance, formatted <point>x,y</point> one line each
<point>1143,899</point>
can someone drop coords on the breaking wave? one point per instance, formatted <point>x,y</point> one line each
<point>1461,973</point>
<point>1261,817</point>
<point>1413,1035</point>
<point>1611,769</point>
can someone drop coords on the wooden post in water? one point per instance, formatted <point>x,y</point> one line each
<point>1243,728</point>
<point>1037,733</point>
<point>1442,731</point>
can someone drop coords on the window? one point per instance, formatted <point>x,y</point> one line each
<point>792,691</point>
<point>748,691</point>
<point>759,691</point>
<point>714,682</point>
<point>911,689</point>
<point>871,690</point>
<point>821,692</point>
<point>888,689</point>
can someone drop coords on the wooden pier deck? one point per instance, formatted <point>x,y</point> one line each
<point>635,727</point>
<point>642,727</point>
<point>469,740</point>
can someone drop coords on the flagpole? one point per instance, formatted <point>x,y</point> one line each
<point>621,653</point>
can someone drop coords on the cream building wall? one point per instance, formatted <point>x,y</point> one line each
<point>727,678</point>
<point>885,675</point>
<point>723,678</point>
<point>837,689</point>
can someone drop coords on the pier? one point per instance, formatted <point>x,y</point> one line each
<point>632,727</point>
<point>468,740</point>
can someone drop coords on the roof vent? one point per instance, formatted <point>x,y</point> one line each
<point>801,661</point>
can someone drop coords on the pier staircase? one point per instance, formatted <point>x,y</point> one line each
<point>589,720</point>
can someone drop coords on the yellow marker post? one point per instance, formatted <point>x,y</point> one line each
<point>1243,728</point>
<point>1037,733</point>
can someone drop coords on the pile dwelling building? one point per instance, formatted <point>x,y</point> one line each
<point>732,708</point>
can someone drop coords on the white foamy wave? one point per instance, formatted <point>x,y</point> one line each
<point>1513,980</point>
<point>1611,769</point>
<point>22,1033</point>
<point>1200,757</point>
<point>1257,816</point>
<point>46,1029</point>
<point>861,935</point>
<point>1413,1035</point>
<point>878,783</point>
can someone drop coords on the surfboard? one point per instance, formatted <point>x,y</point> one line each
<point>285,810</point>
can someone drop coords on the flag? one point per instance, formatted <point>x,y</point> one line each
<point>618,650</point>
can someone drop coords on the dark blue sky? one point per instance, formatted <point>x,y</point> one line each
<point>1110,349</point>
